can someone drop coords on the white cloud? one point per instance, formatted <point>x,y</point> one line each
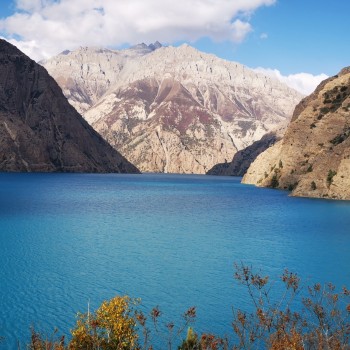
<point>42,28</point>
<point>303,82</point>
<point>263,36</point>
<point>240,30</point>
<point>30,48</point>
<point>29,5</point>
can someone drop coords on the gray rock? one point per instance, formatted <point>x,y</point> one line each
<point>39,130</point>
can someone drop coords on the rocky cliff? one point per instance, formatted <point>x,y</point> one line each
<point>313,158</point>
<point>40,130</point>
<point>172,109</point>
<point>244,158</point>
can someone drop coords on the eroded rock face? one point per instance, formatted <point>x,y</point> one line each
<point>172,109</point>
<point>40,130</point>
<point>313,158</point>
<point>243,159</point>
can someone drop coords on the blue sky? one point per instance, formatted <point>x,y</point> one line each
<point>302,40</point>
<point>302,36</point>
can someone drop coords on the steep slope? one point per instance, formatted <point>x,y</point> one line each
<point>40,130</point>
<point>172,109</point>
<point>244,158</point>
<point>86,74</point>
<point>313,158</point>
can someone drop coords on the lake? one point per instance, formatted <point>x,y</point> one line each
<point>69,240</point>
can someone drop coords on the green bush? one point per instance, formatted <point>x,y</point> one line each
<point>292,186</point>
<point>330,175</point>
<point>274,181</point>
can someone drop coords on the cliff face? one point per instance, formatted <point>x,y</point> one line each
<point>313,158</point>
<point>40,130</point>
<point>172,109</point>
<point>243,159</point>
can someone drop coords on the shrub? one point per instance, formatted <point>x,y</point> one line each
<point>313,186</point>
<point>191,342</point>
<point>330,175</point>
<point>323,323</point>
<point>292,186</point>
<point>112,326</point>
<point>207,341</point>
<point>39,342</point>
<point>274,181</point>
<point>341,137</point>
<point>313,318</point>
<point>173,332</point>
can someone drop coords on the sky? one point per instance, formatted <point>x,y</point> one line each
<point>300,42</point>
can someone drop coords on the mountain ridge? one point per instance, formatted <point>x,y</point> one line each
<point>40,131</point>
<point>172,109</point>
<point>313,158</point>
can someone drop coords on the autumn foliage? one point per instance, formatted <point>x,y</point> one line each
<point>112,327</point>
<point>302,318</point>
<point>317,319</point>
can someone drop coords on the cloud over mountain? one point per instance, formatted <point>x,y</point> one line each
<point>305,83</point>
<point>42,28</point>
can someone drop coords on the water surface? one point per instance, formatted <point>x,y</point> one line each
<point>70,239</point>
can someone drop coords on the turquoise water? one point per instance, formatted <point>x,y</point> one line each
<point>70,239</point>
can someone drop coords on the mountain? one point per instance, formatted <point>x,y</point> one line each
<point>313,158</point>
<point>172,109</point>
<point>40,130</point>
<point>244,158</point>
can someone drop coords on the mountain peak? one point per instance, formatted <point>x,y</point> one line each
<point>146,48</point>
<point>155,46</point>
<point>8,48</point>
<point>65,52</point>
<point>139,46</point>
<point>40,130</point>
<point>175,109</point>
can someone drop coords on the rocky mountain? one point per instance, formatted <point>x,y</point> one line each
<point>40,130</point>
<point>172,109</point>
<point>244,158</point>
<point>313,158</point>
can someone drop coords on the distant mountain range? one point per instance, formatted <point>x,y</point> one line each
<point>39,130</point>
<point>170,109</point>
<point>313,158</point>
